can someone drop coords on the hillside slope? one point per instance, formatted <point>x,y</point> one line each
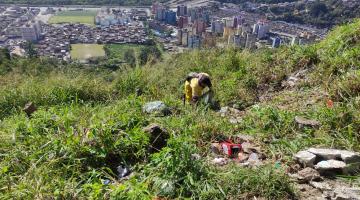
<point>90,120</point>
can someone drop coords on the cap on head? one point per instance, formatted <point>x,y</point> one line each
<point>205,81</point>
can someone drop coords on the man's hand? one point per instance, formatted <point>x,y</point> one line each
<point>195,99</point>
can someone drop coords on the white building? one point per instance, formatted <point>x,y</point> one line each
<point>261,29</point>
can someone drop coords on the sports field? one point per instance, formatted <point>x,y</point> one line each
<point>83,17</point>
<point>83,52</point>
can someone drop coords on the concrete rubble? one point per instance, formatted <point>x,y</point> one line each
<point>157,108</point>
<point>303,122</point>
<point>234,115</point>
<point>320,167</point>
<point>249,155</point>
<point>305,158</point>
<point>329,160</point>
<point>158,137</point>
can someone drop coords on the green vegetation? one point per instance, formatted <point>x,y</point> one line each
<point>131,54</point>
<point>83,17</point>
<point>86,51</point>
<point>323,14</point>
<point>90,120</point>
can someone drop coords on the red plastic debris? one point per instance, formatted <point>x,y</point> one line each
<point>330,103</point>
<point>230,149</point>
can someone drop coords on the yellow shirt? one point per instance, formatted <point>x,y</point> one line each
<point>193,89</point>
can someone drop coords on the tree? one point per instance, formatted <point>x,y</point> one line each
<point>147,53</point>
<point>318,8</point>
<point>30,50</point>
<point>4,54</point>
<point>130,58</point>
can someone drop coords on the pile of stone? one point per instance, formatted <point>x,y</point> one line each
<point>249,155</point>
<point>234,115</point>
<point>156,108</point>
<point>330,161</point>
<point>320,163</point>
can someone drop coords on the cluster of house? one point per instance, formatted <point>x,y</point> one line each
<point>15,22</point>
<point>112,26</point>
<point>57,39</point>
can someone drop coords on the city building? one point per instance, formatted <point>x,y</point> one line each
<point>185,37</point>
<point>155,6</point>
<point>250,41</point>
<point>261,29</point>
<point>183,21</point>
<point>181,10</point>
<point>194,41</point>
<point>31,31</point>
<point>217,27</point>
<point>199,27</point>
<point>276,42</point>
<point>170,17</point>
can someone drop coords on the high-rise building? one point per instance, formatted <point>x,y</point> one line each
<point>199,26</point>
<point>228,31</point>
<point>217,27</point>
<point>276,42</point>
<point>250,41</point>
<point>181,10</point>
<point>160,13</point>
<point>261,29</point>
<point>194,41</point>
<point>238,21</point>
<point>170,17</point>
<point>155,7</point>
<point>183,21</point>
<point>185,37</point>
<point>179,36</point>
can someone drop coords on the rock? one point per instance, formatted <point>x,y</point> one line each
<point>308,174</point>
<point>106,182</point>
<point>349,156</point>
<point>249,148</point>
<point>321,186</point>
<point>234,120</point>
<point>158,137</point>
<point>215,148</point>
<point>243,138</point>
<point>347,194</point>
<point>352,169</point>
<point>346,156</point>
<point>29,109</point>
<point>123,171</point>
<point>325,154</point>
<point>242,157</point>
<point>330,166</point>
<point>254,159</point>
<point>157,108</point>
<point>195,156</point>
<point>224,111</point>
<point>219,161</point>
<point>306,158</point>
<point>302,122</point>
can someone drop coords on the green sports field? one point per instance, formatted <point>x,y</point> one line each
<point>85,51</point>
<point>84,17</point>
